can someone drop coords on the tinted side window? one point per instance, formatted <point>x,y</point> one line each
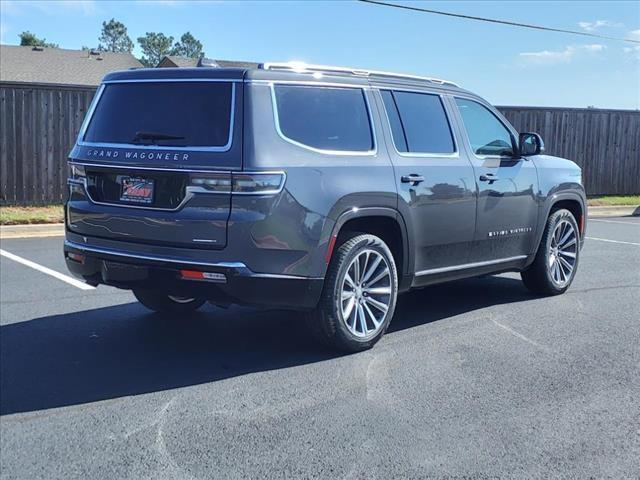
<point>324,118</point>
<point>164,113</point>
<point>426,128</point>
<point>394,121</point>
<point>487,134</point>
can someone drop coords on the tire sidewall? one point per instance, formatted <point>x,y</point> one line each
<point>365,242</point>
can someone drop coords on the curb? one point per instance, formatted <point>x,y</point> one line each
<point>32,231</point>
<point>614,211</point>
<point>57,229</point>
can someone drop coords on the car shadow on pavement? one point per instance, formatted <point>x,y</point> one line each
<point>123,350</point>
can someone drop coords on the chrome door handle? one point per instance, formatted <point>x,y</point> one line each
<point>489,177</point>
<point>414,179</point>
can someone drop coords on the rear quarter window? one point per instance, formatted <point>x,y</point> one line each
<point>324,118</point>
<point>172,114</point>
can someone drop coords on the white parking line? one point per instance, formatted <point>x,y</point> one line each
<point>612,241</point>
<point>614,221</point>
<point>48,271</point>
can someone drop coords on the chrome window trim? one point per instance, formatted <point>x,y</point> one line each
<point>466,132</point>
<point>96,100</point>
<point>455,154</point>
<point>354,153</point>
<point>172,80</point>
<point>466,266</point>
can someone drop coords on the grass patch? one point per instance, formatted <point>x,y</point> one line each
<point>613,200</point>
<point>28,215</point>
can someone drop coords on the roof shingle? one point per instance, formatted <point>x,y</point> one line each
<point>59,66</point>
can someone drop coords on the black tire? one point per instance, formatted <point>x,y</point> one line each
<point>165,303</point>
<point>539,276</point>
<point>327,323</point>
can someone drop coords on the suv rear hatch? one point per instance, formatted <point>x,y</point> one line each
<point>153,159</point>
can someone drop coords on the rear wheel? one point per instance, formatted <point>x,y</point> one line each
<point>165,303</point>
<point>359,295</point>
<point>556,262</point>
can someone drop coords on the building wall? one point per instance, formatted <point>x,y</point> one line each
<point>39,123</point>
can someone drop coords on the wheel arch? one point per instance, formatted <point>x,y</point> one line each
<point>572,201</point>
<point>386,223</point>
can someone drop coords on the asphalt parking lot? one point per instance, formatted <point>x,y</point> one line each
<point>475,379</point>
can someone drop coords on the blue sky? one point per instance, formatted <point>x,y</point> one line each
<point>506,65</point>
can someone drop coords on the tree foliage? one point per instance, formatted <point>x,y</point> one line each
<point>114,37</point>
<point>28,39</point>
<point>188,46</point>
<point>154,47</point>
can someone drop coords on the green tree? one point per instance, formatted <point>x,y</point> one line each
<point>154,47</point>
<point>28,39</point>
<point>188,46</point>
<point>114,37</point>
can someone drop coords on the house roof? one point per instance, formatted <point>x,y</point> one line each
<point>60,66</point>
<point>176,61</point>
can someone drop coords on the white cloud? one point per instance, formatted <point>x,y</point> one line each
<point>634,34</point>
<point>592,26</point>
<point>553,57</point>
<point>633,51</point>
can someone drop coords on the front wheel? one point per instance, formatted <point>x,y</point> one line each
<point>359,295</point>
<point>165,303</point>
<point>556,262</point>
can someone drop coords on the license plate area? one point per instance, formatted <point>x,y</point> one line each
<point>137,190</point>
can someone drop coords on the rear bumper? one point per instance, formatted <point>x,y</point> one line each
<point>239,285</point>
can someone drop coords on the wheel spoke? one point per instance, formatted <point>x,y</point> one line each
<point>379,305</point>
<point>567,254</point>
<point>363,320</point>
<point>556,272</point>
<point>373,318</point>
<point>349,280</point>
<point>346,312</point>
<point>379,276</point>
<point>567,266</point>
<point>566,236</point>
<point>356,270</point>
<point>378,291</point>
<point>570,243</point>
<point>371,270</point>
<point>347,294</point>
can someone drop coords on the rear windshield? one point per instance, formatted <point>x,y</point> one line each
<point>172,114</point>
<point>325,118</point>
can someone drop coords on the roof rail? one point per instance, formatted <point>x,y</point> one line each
<point>301,67</point>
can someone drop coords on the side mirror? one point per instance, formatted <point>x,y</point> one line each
<point>530,144</point>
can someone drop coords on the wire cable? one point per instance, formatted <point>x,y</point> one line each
<point>502,22</point>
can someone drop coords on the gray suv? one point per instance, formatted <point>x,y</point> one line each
<point>325,189</point>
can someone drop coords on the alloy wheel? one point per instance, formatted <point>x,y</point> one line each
<point>366,293</point>
<point>563,251</point>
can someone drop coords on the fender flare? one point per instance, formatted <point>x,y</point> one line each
<point>548,205</point>
<point>356,212</point>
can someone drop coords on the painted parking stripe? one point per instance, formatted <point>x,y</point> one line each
<point>612,241</point>
<point>614,221</point>
<point>48,271</point>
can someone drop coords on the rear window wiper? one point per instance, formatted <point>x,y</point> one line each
<point>154,136</point>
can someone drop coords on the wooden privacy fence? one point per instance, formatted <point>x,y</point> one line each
<point>39,123</point>
<point>38,126</point>
<point>605,143</point>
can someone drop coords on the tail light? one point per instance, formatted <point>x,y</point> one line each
<point>77,173</point>
<point>254,183</point>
